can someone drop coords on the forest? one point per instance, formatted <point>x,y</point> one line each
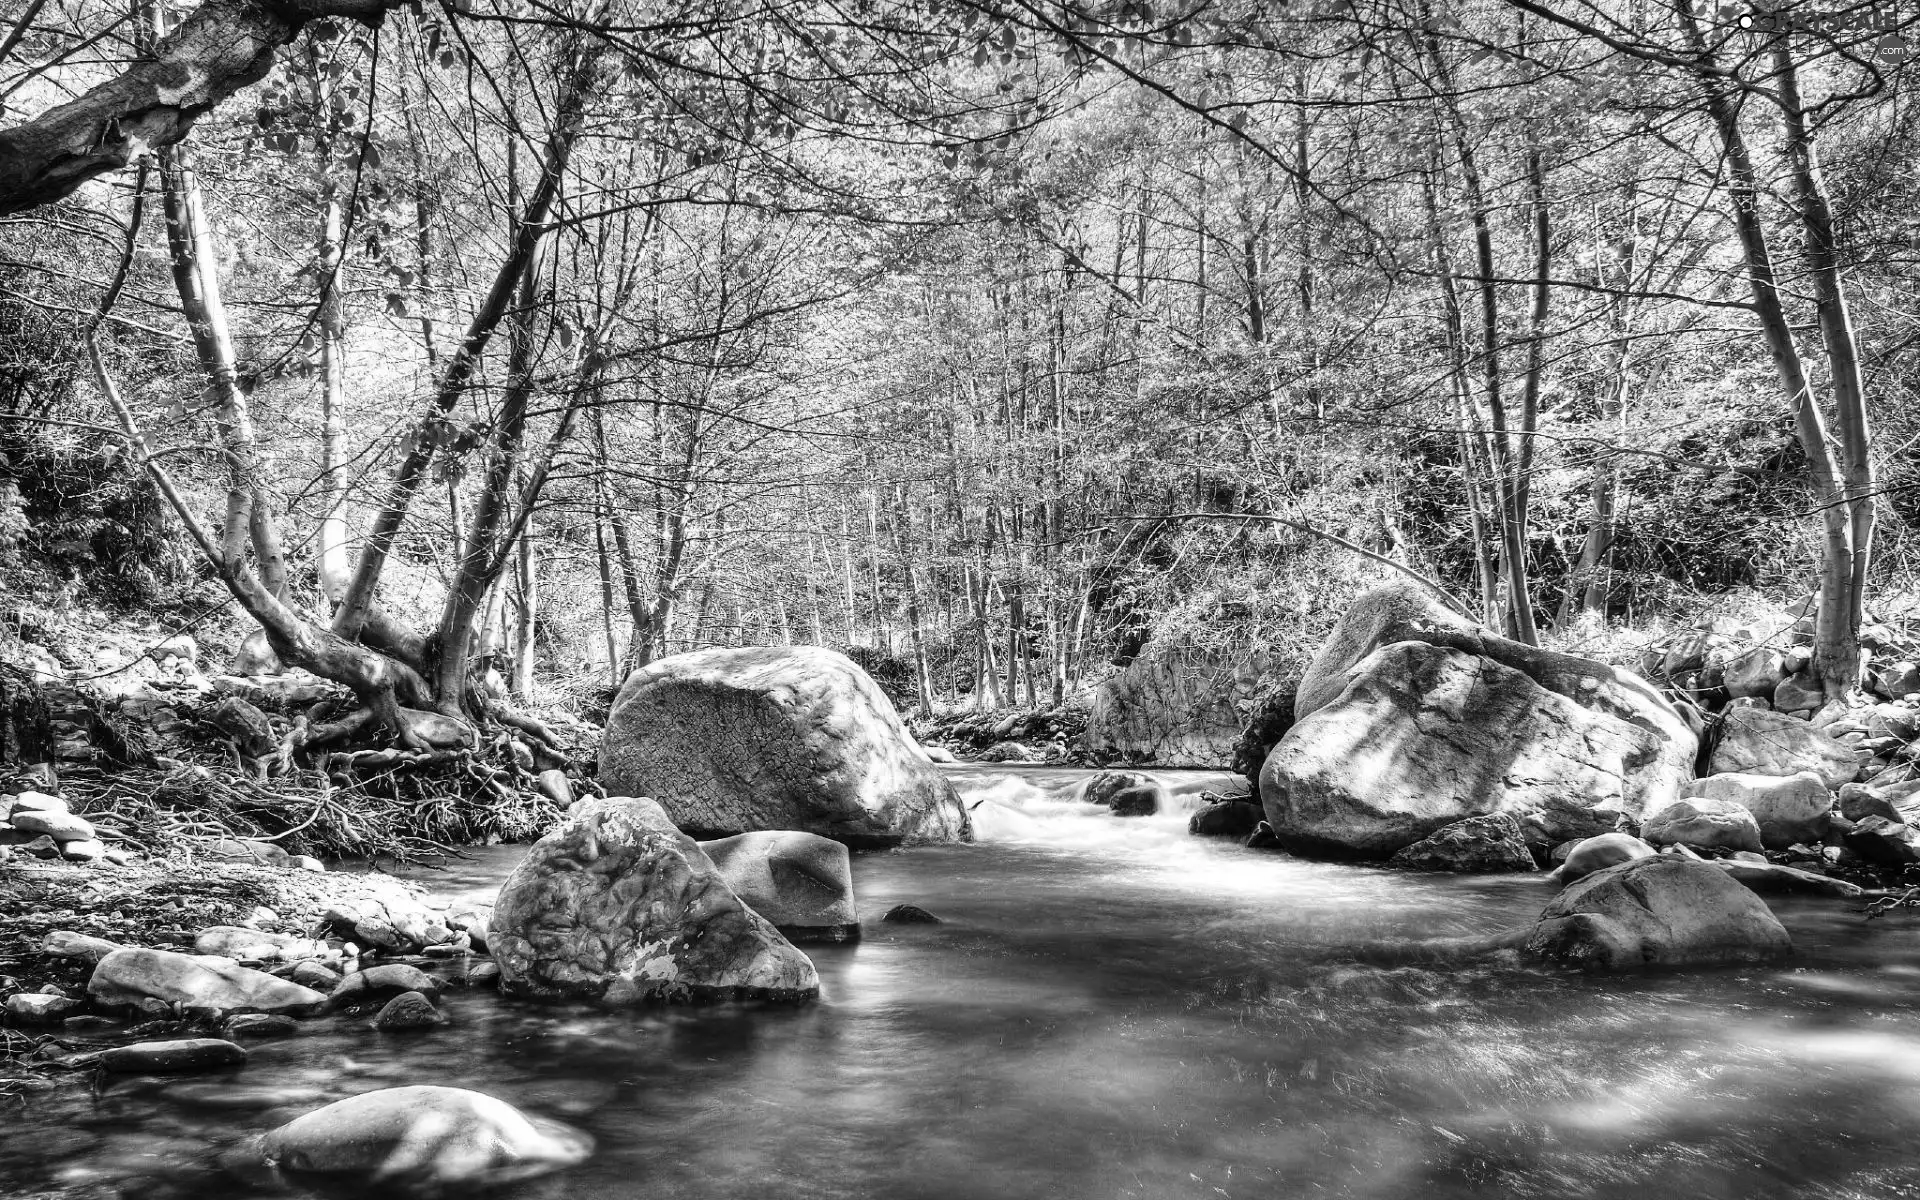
<point>1420,447</point>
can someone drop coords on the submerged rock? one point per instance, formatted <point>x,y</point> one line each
<point>618,906</point>
<point>423,1137</point>
<point>1662,911</point>
<point>1411,718</point>
<point>775,738</point>
<point>1476,844</point>
<point>1772,879</point>
<point>910,914</point>
<point>408,1010</point>
<point>1597,854</point>
<point>1226,818</point>
<point>801,882</point>
<point>127,977</point>
<point>1103,787</point>
<point>183,1054</point>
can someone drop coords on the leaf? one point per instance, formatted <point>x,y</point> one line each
<point>980,55</point>
<point>396,304</point>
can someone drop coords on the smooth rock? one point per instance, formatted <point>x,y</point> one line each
<point>128,976</point>
<point>1756,742</point>
<point>1770,879</point>
<point>1798,693</point>
<point>238,941</point>
<point>910,914</point>
<point>423,1137</point>
<point>408,1010</point>
<point>554,786</point>
<point>1475,844</point>
<point>85,850</point>
<point>60,826</point>
<point>31,801</point>
<point>315,975</point>
<point>801,882</point>
<point>1658,911</point>
<point>1263,838</point>
<point>775,738</point>
<point>1226,818</point>
<point>66,944</point>
<point>181,1054</point>
<point>39,1008</point>
<point>386,979</point>
<point>266,854</point>
<point>939,754</point>
<point>618,906</point>
<point>305,862</point>
<point>1788,808</point>
<point>1703,824</point>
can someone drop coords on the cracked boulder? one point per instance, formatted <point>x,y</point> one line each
<point>1411,718</point>
<point>619,907</point>
<point>1476,844</point>
<point>762,738</point>
<point>1657,912</point>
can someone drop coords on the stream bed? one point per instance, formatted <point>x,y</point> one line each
<point>1115,1009</point>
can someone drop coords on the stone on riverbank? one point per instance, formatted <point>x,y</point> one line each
<point>77,945</point>
<point>1597,854</point>
<point>775,738</point>
<point>1411,718</point>
<point>1663,911</point>
<point>801,882</point>
<point>386,979</point>
<point>423,1137</point>
<point>241,942</point>
<point>1788,808</point>
<point>1702,824</point>
<point>1756,741</point>
<point>618,906</point>
<point>129,976</point>
<point>1476,844</point>
<point>39,1008</point>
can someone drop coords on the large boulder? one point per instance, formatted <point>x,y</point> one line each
<point>617,906</point>
<point>1663,911</point>
<point>423,1138</point>
<point>801,882</point>
<point>1756,741</point>
<point>1476,844</point>
<point>1788,808</point>
<point>775,738</point>
<point>128,977</point>
<point>1411,718</point>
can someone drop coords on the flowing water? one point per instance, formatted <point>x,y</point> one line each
<point>1114,1009</point>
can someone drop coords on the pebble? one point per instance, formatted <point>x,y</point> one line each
<point>408,1010</point>
<point>180,1054</point>
<point>60,826</point>
<point>84,851</point>
<point>36,802</point>
<point>306,862</point>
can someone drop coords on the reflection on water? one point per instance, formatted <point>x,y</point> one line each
<point>1114,1009</point>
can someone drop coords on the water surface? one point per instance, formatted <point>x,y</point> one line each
<point>1113,1009</point>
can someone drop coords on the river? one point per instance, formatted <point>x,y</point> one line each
<point>1114,1009</point>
